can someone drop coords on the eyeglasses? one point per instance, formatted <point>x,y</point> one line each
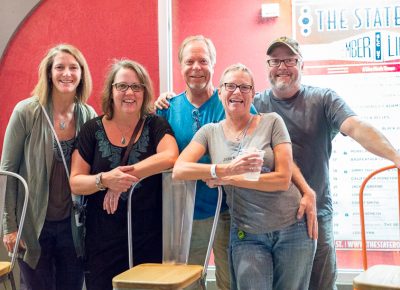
<point>123,87</point>
<point>231,87</point>
<point>277,62</point>
<point>196,118</point>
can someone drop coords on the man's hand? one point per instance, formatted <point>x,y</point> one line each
<point>397,160</point>
<point>308,206</point>
<point>162,101</point>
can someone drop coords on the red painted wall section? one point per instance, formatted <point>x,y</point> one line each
<point>102,30</point>
<point>237,30</point>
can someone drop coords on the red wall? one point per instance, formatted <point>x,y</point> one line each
<point>102,30</point>
<point>237,30</point>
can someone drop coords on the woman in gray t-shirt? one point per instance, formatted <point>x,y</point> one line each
<point>270,248</point>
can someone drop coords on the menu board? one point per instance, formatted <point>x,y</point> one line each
<point>353,47</point>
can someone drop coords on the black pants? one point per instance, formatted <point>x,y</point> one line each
<point>58,267</point>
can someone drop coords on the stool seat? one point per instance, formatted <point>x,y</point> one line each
<point>158,276</point>
<point>5,268</point>
<point>378,277</point>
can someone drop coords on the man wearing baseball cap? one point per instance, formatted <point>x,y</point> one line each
<point>313,117</point>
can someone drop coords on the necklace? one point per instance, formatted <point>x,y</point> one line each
<point>62,125</point>
<point>64,119</point>
<point>243,133</point>
<point>123,138</point>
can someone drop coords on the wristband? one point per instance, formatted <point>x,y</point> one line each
<point>213,171</point>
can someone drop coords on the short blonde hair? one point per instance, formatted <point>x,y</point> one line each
<point>210,46</point>
<point>107,103</point>
<point>44,85</point>
<point>237,67</point>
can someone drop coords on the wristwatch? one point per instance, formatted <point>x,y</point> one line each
<point>99,183</point>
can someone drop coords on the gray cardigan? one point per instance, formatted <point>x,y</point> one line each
<point>28,151</point>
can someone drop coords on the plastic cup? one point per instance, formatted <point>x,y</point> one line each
<point>253,175</point>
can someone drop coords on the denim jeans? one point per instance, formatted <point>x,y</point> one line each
<point>58,267</point>
<point>199,243</point>
<point>279,260</point>
<point>324,270</point>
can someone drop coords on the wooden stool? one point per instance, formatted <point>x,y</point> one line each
<point>158,276</point>
<point>168,275</point>
<point>378,277</point>
<point>6,268</point>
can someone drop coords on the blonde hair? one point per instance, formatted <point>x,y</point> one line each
<point>237,67</point>
<point>144,78</point>
<point>210,46</point>
<point>44,85</point>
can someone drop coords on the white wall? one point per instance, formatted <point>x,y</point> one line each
<point>12,12</point>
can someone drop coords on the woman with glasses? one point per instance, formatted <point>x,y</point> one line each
<point>37,126</point>
<point>270,248</point>
<point>127,131</point>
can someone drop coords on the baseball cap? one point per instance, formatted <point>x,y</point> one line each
<point>292,44</point>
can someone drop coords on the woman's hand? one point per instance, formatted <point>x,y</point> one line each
<point>110,202</point>
<point>119,179</point>
<point>244,163</point>
<point>9,242</point>
<point>214,182</point>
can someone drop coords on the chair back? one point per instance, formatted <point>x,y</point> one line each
<point>362,213</point>
<point>178,208</point>
<point>3,184</point>
<point>173,273</point>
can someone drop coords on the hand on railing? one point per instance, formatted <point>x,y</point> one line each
<point>9,242</point>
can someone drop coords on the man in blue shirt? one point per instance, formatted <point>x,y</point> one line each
<point>196,106</point>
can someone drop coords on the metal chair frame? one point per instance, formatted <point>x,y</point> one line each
<point>361,204</point>
<point>212,234</point>
<point>366,279</point>
<point>9,275</point>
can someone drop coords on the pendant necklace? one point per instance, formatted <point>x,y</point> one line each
<point>62,125</point>
<point>243,133</point>
<point>123,139</point>
<point>240,137</point>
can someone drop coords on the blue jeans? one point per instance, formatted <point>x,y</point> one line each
<point>324,270</point>
<point>58,267</point>
<point>279,260</point>
<point>199,243</point>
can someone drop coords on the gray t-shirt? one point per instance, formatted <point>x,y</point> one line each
<point>313,117</point>
<point>254,211</point>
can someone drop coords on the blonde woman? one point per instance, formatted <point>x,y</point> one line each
<point>270,248</point>
<point>50,260</point>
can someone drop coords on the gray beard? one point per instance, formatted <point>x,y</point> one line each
<point>285,86</point>
<point>197,86</point>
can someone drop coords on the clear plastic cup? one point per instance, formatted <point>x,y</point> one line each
<point>253,175</point>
